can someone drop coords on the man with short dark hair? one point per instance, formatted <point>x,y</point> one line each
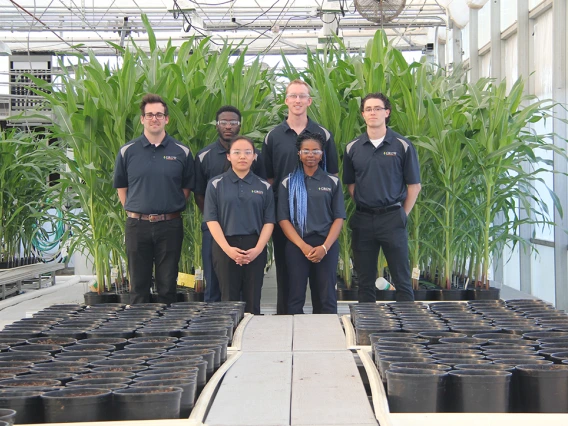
<point>381,171</point>
<point>281,158</point>
<point>212,161</point>
<point>154,177</point>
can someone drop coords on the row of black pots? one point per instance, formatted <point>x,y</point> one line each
<point>57,360</point>
<point>94,298</point>
<point>490,351</point>
<point>541,389</point>
<point>474,317</point>
<point>427,295</point>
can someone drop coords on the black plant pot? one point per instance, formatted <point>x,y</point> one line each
<point>93,298</point>
<point>386,295</point>
<point>481,294</point>
<point>347,294</point>
<point>76,405</point>
<point>28,405</point>
<point>124,298</point>
<point>189,387</point>
<point>543,388</point>
<point>416,390</point>
<point>147,403</point>
<point>7,416</point>
<point>479,391</point>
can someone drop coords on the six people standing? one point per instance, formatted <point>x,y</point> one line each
<point>154,175</point>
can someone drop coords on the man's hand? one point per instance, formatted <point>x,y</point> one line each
<point>238,255</point>
<point>251,254</point>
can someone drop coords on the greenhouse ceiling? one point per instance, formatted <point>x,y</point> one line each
<point>263,26</point>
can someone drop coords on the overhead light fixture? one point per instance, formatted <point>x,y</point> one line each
<point>4,49</point>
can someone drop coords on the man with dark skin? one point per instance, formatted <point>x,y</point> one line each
<point>212,161</point>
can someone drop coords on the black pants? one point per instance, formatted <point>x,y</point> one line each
<point>369,233</point>
<point>279,241</point>
<point>322,276</point>
<point>149,244</point>
<point>234,279</point>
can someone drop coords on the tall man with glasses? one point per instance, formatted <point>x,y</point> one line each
<point>154,176</point>
<point>281,158</point>
<point>212,161</point>
<point>381,171</point>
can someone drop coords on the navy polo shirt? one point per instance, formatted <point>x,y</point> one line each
<point>212,161</point>
<point>280,154</point>
<point>325,203</point>
<point>154,175</point>
<point>380,174</point>
<point>241,206</point>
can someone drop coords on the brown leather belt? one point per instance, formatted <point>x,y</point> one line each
<point>153,217</point>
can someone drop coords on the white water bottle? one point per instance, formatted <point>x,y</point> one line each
<point>382,284</point>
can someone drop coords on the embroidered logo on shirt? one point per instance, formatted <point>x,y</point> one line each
<point>256,191</point>
<point>170,157</point>
<point>389,153</point>
<point>324,188</point>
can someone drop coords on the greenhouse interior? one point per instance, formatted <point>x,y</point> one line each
<point>175,175</point>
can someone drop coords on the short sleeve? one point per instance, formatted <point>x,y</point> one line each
<point>331,161</point>
<point>348,171</point>
<point>411,166</point>
<point>267,157</point>
<point>269,215</point>
<point>200,179</point>
<point>338,203</point>
<point>188,181</point>
<point>120,174</point>
<point>283,207</point>
<point>210,209</point>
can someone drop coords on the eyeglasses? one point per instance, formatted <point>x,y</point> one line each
<point>232,123</point>
<point>308,152</point>
<point>301,96</point>
<point>375,109</point>
<point>239,152</point>
<point>157,116</point>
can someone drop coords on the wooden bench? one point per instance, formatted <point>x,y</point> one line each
<point>11,279</point>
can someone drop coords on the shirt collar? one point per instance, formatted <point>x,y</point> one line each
<point>234,178</point>
<point>146,142</point>
<point>388,137</point>
<point>219,146</point>
<point>318,175</point>
<point>310,127</point>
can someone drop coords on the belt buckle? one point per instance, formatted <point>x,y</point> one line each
<point>153,217</point>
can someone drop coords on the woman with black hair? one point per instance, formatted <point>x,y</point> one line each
<point>239,211</point>
<point>311,211</point>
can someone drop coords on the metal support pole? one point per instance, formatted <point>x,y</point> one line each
<point>559,77</point>
<point>473,45</point>
<point>526,230</point>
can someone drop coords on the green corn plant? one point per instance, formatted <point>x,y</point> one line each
<point>24,172</point>
<point>500,144</point>
<point>97,112</point>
